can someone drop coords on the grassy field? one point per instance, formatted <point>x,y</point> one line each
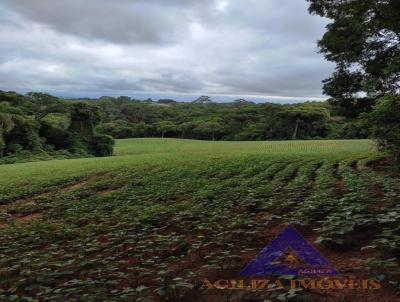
<point>151,222</point>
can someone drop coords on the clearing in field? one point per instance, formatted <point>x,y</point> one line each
<point>150,223</point>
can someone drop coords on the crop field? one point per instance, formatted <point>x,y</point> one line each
<point>159,217</point>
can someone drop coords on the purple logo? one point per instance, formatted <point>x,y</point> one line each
<point>288,254</point>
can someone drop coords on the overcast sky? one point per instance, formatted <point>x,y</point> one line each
<point>161,47</point>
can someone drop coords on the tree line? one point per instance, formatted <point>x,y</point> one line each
<point>40,126</point>
<point>237,120</point>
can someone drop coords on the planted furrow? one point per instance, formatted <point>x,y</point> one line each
<point>294,193</point>
<point>264,194</point>
<point>321,200</point>
<point>351,211</point>
<point>386,209</point>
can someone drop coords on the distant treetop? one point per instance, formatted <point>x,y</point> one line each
<point>242,101</point>
<point>166,101</point>
<point>203,100</point>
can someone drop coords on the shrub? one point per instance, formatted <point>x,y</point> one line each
<point>79,152</point>
<point>59,138</point>
<point>13,148</point>
<point>2,143</point>
<point>102,145</point>
<point>385,124</point>
<point>25,134</point>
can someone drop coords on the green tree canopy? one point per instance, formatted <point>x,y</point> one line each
<point>209,128</point>
<point>363,40</point>
<point>385,122</point>
<point>41,104</point>
<point>165,126</point>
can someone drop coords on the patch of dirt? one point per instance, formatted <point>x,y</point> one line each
<point>379,196</point>
<point>354,167</point>
<point>80,184</point>
<point>292,176</point>
<point>107,192</point>
<point>377,191</point>
<point>77,185</point>
<point>382,164</point>
<point>27,218</point>
<point>386,166</point>
<point>28,209</point>
<point>52,191</point>
<point>314,173</point>
<point>74,186</point>
<point>340,186</point>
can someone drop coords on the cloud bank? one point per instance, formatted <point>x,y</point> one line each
<point>222,47</point>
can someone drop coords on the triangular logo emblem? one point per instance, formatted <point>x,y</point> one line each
<point>288,254</point>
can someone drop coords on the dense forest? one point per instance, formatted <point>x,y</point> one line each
<point>203,119</point>
<point>40,126</point>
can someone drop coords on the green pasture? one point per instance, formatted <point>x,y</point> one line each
<point>27,178</point>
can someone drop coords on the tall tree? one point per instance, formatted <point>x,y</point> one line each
<point>84,119</point>
<point>211,128</point>
<point>363,40</point>
<point>385,123</point>
<point>185,127</point>
<point>6,125</point>
<point>6,121</point>
<point>165,126</point>
<point>42,104</point>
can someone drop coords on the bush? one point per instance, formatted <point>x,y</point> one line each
<point>384,121</point>
<point>63,154</point>
<point>79,152</point>
<point>351,129</point>
<point>24,134</point>
<point>59,138</point>
<point>102,145</point>
<point>2,143</point>
<point>13,149</point>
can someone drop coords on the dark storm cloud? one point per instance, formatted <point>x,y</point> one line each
<point>260,47</point>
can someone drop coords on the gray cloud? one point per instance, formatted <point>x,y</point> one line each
<point>162,46</point>
<point>170,82</point>
<point>118,21</point>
